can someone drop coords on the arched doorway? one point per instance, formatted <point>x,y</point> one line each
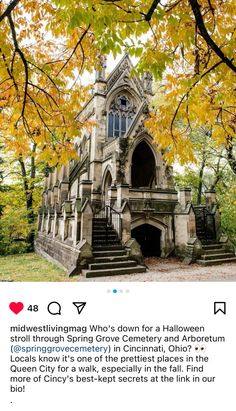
<point>149,239</point>
<point>106,186</point>
<point>143,171</point>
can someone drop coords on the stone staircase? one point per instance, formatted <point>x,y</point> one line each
<point>110,256</point>
<point>214,254</point>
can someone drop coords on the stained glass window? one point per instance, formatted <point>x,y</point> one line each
<point>117,125</point>
<point>123,124</point>
<point>110,125</point>
<point>120,116</point>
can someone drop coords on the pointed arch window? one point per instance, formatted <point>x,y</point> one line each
<point>120,116</point>
<point>110,125</point>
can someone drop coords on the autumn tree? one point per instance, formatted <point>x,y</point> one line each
<point>40,92</point>
<point>1,182</point>
<point>187,44</point>
<point>47,45</point>
<point>20,197</point>
<point>211,171</point>
<point>209,168</point>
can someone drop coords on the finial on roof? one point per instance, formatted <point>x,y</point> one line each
<point>147,82</point>
<point>101,69</point>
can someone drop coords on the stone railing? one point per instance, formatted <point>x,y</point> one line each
<point>145,205</point>
<point>154,194</point>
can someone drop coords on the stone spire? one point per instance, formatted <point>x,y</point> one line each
<point>147,82</point>
<point>100,74</point>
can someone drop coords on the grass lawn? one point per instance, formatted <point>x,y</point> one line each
<point>30,267</point>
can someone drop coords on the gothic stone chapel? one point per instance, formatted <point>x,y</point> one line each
<point>118,203</point>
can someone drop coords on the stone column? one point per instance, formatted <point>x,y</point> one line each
<point>210,197</point>
<point>85,188</point>
<point>42,222</point>
<point>122,194</point>
<point>77,211</point>
<point>44,200</point>
<point>55,191</point>
<point>86,222</point>
<point>67,209</point>
<point>39,221</point>
<point>64,226</point>
<point>112,194</point>
<point>64,188</point>
<point>185,197</point>
<point>48,222</point>
<point>126,223</point>
<point>55,225</point>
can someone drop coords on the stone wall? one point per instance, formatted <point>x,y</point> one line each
<point>56,251</point>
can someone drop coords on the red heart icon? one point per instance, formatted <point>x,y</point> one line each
<point>16,307</point>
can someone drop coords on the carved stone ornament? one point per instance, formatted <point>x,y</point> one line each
<point>147,82</point>
<point>117,74</point>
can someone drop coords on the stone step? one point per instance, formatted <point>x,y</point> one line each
<point>102,231</point>
<point>109,253</point>
<point>115,271</point>
<point>99,223</point>
<point>212,246</point>
<point>217,256</point>
<point>213,251</point>
<point>111,258</point>
<point>109,248</point>
<point>216,262</point>
<point>111,265</point>
<point>101,226</point>
<point>104,235</point>
<point>104,243</point>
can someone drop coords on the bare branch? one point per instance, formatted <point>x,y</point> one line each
<point>9,72</point>
<point>44,92</point>
<point>74,50</point>
<point>24,61</point>
<point>150,12</point>
<point>9,9</point>
<point>186,95</point>
<point>202,28</point>
<point>43,72</point>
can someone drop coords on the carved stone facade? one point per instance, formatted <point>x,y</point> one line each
<point>120,166</point>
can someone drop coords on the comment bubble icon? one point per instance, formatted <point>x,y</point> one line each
<point>54,308</point>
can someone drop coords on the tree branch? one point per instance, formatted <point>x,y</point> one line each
<point>150,12</point>
<point>9,9</point>
<point>202,28</point>
<point>74,50</point>
<point>189,91</point>
<point>24,61</point>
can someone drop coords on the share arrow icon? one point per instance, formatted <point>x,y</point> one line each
<point>80,306</point>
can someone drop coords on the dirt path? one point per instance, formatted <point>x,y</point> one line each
<point>172,269</point>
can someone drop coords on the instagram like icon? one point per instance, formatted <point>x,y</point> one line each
<point>16,308</point>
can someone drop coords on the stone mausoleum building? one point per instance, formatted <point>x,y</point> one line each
<point>118,203</point>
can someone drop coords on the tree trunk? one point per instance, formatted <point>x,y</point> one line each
<point>218,172</point>
<point>231,158</point>
<point>200,184</point>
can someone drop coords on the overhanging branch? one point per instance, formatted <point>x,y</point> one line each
<point>150,12</point>
<point>202,28</point>
<point>9,9</point>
